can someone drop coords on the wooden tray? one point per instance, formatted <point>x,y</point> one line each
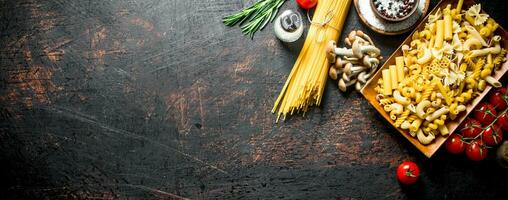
<point>369,93</point>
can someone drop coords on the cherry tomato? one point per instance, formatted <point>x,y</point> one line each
<point>476,150</point>
<point>471,128</point>
<point>499,98</point>
<point>492,135</point>
<point>306,4</point>
<point>454,144</point>
<point>408,173</point>
<point>502,122</point>
<point>485,113</point>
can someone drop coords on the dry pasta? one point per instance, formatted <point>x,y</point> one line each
<point>306,82</point>
<point>448,63</point>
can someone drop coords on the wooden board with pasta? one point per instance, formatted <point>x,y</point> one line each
<point>440,73</point>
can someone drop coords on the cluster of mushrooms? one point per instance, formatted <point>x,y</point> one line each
<point>354,65</point>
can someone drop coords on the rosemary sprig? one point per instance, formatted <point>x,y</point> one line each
<point>256,16</point>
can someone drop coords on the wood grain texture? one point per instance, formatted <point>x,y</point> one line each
<point>157,99</point>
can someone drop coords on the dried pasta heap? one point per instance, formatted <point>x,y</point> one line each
<point>446,65</point>
<point>306,82</point>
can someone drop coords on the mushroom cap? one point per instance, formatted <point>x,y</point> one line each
<point>366,61</point>
<point>332,73</point>
<point>330,48</point>
<point>338,63</point>
<point>347,41</point>
<point>352,36</point>
<point>360,33</point>
<point>345,77</point>
<point>330,56</point>
<point>342,85</point>
<point>347,68</point>
<point>357,51</point>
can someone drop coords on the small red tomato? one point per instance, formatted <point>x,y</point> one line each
<point>485,113</point>
<point>492,135</point>
<point>408,173</point>
<point>499,99</point>
<point>471,128</point>
<point>306,4</point>
<point>454,144</point>
<point>502,121</point>
<point>476,150</point>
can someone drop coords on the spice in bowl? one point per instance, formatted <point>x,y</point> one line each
<point>394,10</point>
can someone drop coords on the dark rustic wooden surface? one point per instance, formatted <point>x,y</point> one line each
<point>157,99</point>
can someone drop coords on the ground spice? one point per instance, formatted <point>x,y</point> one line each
<point>371,19</point>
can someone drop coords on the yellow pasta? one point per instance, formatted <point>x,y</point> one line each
<point>448,24</point>
<point>306,82</point>
<point>443,91</point>
<point>386,101</point>
<point>402,118</point>
<point>443,68</point>
<point>387,85</point>
<point>439,34</point>
<point>411,118</point>
<point>393,76</point>
<point>399,63</point>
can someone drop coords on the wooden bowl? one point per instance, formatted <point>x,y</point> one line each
<point>369,93</point>
<point>415,6</point>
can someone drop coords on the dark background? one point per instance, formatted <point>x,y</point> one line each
<point>157,99</point>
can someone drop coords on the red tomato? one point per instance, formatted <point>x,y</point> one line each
<point>408,173</point>
<point>454,144</point>
<point>306,4</point>
<point>476,150</point>
<point>485,113</point>
<point>471,128</point>
<point>492,135</point>
<point>499,99</point>
<point>502,121</point>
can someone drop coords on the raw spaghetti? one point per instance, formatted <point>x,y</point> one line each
<point>306,82</point>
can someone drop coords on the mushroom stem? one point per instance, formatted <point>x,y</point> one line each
<point>348,75</point>
<point>367,49</point>
<point>343,52</point>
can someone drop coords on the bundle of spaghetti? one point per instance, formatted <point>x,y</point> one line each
<point>306,82</point>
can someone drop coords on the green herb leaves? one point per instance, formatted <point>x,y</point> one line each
<point>256,16</point>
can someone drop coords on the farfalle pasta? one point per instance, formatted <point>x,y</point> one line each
<point>443,68</point>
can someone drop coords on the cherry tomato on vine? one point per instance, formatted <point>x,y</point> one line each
<point>454,144</point>
<point>408,173</point>
<point>492,135</point>
<point>502,121</point>
<point>306,4</point>
<point>470,128</point>
<point>485,113</point>
<point>476,150</point>
<point>499,99</point>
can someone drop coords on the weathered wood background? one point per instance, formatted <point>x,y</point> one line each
<point>158,99</point>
